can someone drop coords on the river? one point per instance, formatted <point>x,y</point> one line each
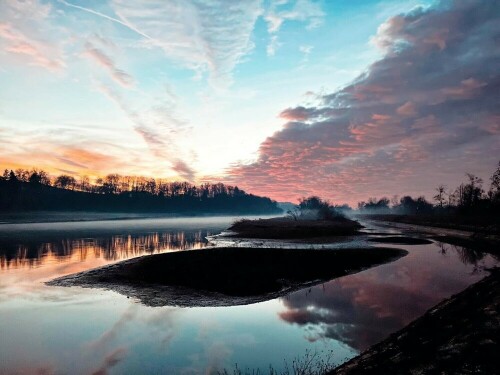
<point>59,330</point>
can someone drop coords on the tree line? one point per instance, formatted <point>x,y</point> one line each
<point>116,184</point>
<point>35,189</point>
<point>469,197</point>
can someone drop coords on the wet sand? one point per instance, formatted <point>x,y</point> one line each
<point>226,276</point>
<point>401,240</point>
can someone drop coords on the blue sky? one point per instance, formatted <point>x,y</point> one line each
<point>174,89</point>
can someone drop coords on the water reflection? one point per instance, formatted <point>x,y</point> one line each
<point>362,309</point>
<point>113,248</point>
<point>84,331</point>
<point>468,255</point>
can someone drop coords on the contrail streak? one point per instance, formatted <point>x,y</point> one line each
<point>107,17</point>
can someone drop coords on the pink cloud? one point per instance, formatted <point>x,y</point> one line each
<point>407,109</point>
<point>39,53</point>
<point>416,119</point>
<point>118,75</point>
<point>467,89</point>
<point>110,360</point>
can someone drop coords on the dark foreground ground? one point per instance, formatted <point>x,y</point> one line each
<point>286,228</point>
<point>226,276</point>
<point>461,335</point>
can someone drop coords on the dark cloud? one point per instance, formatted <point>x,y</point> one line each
<point>424,114</point>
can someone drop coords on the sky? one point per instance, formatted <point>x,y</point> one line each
<point>345,99</point>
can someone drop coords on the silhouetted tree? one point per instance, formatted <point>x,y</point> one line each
<point>375,205</point>
<point>315,208</point>
<point>35,178</point>
<point>342,207</point>
<point>409,205</point>
<point>22,174</point>
<point>39,177</point>
<point>469,194</point>
<point>110,184</point>
<point>134,194</point>
<point>440,196</point>
<point>12,176</point>
<point>84,184</point>
<point>64,181</point>
<point>495,184</point>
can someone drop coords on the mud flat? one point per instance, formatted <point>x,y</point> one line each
<point>485,226</point>
<point>226,276</point>
<point>461,335</point>
<point>401,240</point>
<point>286,228</point>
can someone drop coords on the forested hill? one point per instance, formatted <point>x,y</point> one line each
<point>180,198</point>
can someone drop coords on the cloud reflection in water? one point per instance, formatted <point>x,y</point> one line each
<point>362,309</point>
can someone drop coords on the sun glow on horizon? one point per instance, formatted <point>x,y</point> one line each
<point>282,98</point>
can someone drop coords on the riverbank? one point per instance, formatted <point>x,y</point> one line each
<point>480,226</point>
<point>32,217</point>
<point>451,234</point>
<point>459,335</point>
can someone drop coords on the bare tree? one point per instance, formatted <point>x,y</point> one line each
<point>440,196</point>
<point>495,183</point>
<point>84,184</point>
<point>64,181</point>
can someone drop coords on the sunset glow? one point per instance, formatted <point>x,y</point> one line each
<point>284,98</point>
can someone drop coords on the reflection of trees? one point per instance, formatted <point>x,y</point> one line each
<point>443,248</point>
<point>468,255</point>
<point>111,248</point>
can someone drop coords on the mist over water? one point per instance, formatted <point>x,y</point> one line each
<point>75,330</point>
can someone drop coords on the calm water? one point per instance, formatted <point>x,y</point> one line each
<point>55,330</point>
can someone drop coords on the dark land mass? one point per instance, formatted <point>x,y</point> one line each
<point>461,335</point>
<point>18,196</point>
<point>474,243</point>
<point>401,240</point>
<point>479,224</point>
<point>287,228</point>
<point>479,237</point>
<point>226,276</point>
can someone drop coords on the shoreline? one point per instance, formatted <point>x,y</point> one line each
<point>433,343</point>
<point>54,217</point>
<point>428,223</point>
